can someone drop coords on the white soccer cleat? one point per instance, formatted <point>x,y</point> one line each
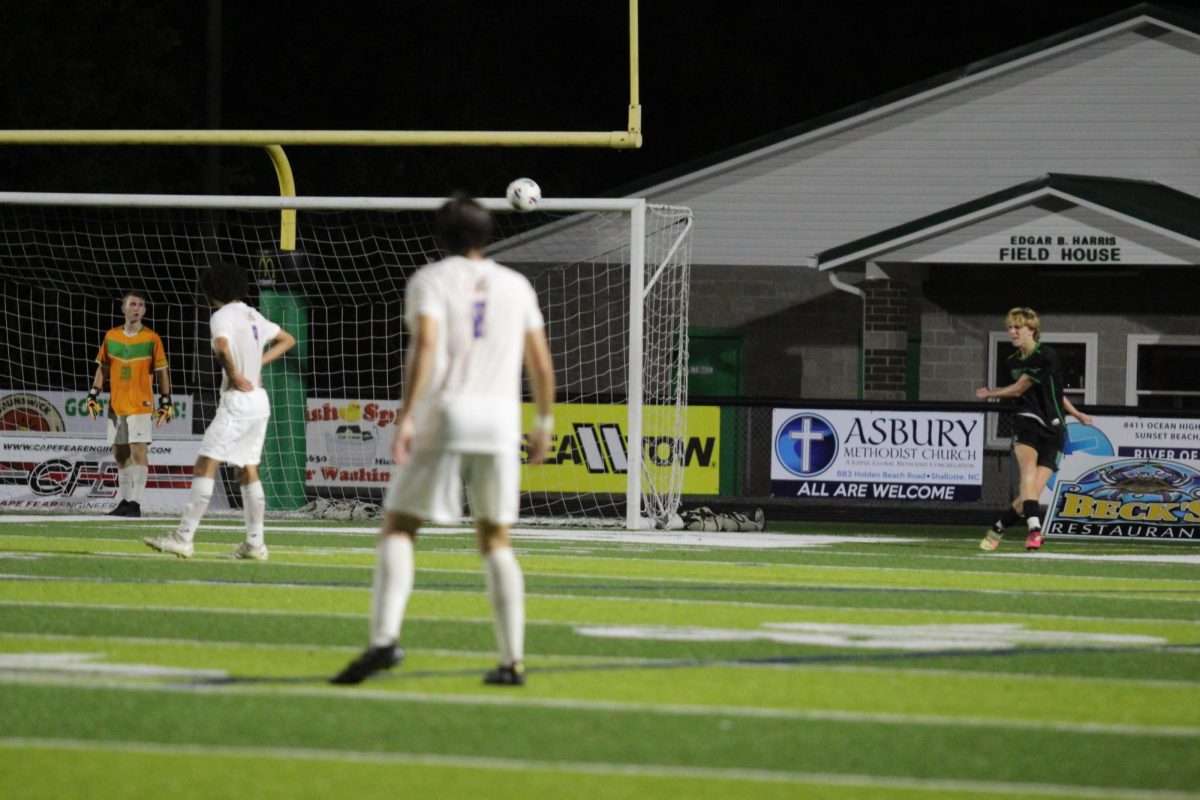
<point>171,543</point>
<point>245,550</point>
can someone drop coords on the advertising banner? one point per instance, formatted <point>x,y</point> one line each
<point>66,412</point>
<point>877,455</point>
<point>1128,437</point>
<point>349,445</point>
<point>1128,477</point>
<point>63,472</point>
<point>1130,498</point>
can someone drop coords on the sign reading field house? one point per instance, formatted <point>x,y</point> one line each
<point>1054,249</point>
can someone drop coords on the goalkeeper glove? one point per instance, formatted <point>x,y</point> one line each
<point>93,403</point>
<point>165,412</point>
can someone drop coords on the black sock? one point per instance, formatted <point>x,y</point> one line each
<point>1009,517</point>
<point>1030,512</point>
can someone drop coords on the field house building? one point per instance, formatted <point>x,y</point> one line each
<point>873,253</point>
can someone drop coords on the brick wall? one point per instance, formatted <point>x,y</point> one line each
<point>885,339</point>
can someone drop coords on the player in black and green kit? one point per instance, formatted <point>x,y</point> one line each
<point>1039,426</point>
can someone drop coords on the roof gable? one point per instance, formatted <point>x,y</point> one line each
<point>1165,17</point>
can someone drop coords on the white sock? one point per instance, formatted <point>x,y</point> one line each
<point>137,482</point>
<point>506,590</point>
<point>1034,523</point>
<point>124,481</point>
<point>393,584</point>
<point>254,508</point>
<point>201,494</point>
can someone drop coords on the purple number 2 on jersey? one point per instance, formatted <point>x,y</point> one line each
<point>477,318</point>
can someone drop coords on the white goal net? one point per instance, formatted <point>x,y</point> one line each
<point>612,276</point>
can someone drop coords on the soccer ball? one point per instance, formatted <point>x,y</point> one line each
<point>524,194</point>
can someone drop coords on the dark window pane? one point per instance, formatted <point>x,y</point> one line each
<point>1169,368</point>
<point>1174,401</point>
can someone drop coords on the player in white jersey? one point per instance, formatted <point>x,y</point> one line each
<point>472,324</point>
<point>239,427</point>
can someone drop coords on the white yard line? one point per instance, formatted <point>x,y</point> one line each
<point>849,780</point>
<point>97,681</point>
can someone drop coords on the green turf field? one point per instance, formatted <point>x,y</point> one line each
<point>825,661</point>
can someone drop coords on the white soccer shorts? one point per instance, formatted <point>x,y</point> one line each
<point>129,430</point>
<point>430,486</point>
<point>235,441</point>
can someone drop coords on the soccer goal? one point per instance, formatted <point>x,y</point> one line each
<point>612,276</point>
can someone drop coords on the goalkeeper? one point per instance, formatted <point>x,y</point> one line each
<point>128,356</point>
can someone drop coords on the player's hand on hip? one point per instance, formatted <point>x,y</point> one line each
<point>402,444</point>
<point>241,382</point>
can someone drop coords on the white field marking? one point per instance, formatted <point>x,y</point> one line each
<point>666,538</point>
<point>579,625</point>
<point>1130,558</point>
<point>552,597</point>
<point>632,662</point>
<point>920,638</point>
<point>86,664</point>
<point>850,780</point>
<point>117,683</point>
<point>715,581</point>
<point>22,556</point>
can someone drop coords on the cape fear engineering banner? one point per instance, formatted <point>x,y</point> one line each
<point>65,472</point>
<point>877,455</point>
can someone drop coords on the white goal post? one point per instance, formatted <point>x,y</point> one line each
<point>612,276</point>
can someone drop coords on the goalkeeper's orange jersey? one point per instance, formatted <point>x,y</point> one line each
<point>130,361</point>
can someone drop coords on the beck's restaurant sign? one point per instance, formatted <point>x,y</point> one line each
<point>1133,498</point>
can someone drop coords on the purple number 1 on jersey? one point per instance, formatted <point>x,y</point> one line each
<point>477,318</point>
<point>255,329</point>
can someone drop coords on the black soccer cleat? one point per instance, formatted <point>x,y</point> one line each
<point>372,660</point>
<point>511,675</point>
<point>134,509</point>
<point>119,511</point>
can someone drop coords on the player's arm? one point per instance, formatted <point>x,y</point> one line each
<point>419,363</point>
<point>225,359</point>
<point>540,366</point>
<point>1070,408</point>
<point>282,342</point>
<point>1012,390</point>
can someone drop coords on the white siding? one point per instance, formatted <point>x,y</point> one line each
<point>1123,106</point>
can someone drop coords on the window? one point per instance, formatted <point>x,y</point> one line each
<point>1077,357</point>
<point>1163,372</point>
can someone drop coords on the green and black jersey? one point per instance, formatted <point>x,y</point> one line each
<point>1042,401</point>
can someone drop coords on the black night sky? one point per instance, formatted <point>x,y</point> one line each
<point>713,75</point>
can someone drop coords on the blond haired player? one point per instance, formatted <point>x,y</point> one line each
<point>473,323</point>
<point>1039,426</point>
<point>128,356</point>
